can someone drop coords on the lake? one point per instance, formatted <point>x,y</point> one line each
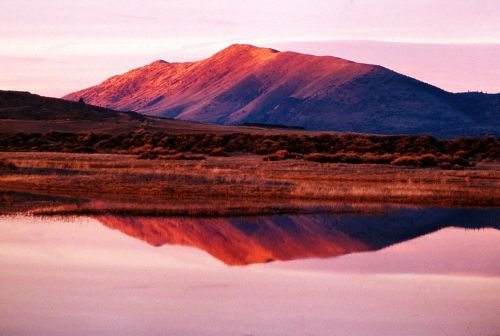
<point>405,271</point>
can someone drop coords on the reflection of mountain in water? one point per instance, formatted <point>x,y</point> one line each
<point>242,241</point>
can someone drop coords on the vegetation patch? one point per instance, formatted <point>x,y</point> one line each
<point>414,151</point>
<point>6,166</point>
<point>241,184</point>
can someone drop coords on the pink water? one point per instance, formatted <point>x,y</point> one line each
<point>78,277</point>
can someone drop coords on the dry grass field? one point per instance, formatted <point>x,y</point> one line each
<point>64,183</point>
<point>125,124</point>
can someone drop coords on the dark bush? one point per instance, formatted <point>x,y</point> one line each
<point>445,165</point>
<point>454,161</point>
<point>335,158</point>
<point>461,162</point>
<point>349,158</point>
<point>319,157</point>
<point>181,156</point>
<point>346,148</point>
<point>148,156</point>
<point>428,160</point>
<point>83,149</point>
<point>377,159</point>
<point>282,154</point>
<point>462,154</point>
<point>219,151</point>
<point>7,165</point>
<point>406,161</point>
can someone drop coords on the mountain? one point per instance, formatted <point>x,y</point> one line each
<point>247,84</point>
<point>243,241</point>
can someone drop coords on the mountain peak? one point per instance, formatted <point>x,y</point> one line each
<point>247,47</point>
<point>159,62</point>
<point>235,49</point>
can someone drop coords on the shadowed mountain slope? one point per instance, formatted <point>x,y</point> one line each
<point>246,84</point>
<point>30,113</point>
<point>18,105</point>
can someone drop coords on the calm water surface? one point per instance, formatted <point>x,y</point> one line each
<point>414,272</point>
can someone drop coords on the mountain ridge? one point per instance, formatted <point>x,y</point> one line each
<point>244,83</point>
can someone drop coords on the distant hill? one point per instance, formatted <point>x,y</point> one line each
<point>20,105</point>
<point>246,84</point>
<point>30,113</point>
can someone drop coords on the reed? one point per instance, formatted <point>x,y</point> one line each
<point>237,185</point>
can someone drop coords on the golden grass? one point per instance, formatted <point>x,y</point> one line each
<point>238,185</point>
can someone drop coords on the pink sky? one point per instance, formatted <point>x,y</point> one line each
<point>53,47</point>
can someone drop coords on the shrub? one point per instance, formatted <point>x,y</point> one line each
<point>377,159</point>
<point>346,148</point>
<point>282,154</point>
<point>219,151</point>
<point>348,158</point>
<point>181,156</point>
<point>462,154</point>
<point>139,149</point>
<point>318,157</point>
<point>335,158</point>
<point>445,165</point>
<point>83,149</point>
<point>428,160</point>
<point>447,160</point>
<point>406,161</point>
<point>450,166</point>
<point>6,165</point>
<point>461,162</point>
<point>148,156</point>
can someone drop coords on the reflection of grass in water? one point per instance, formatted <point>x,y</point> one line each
<point>17,202</point>
<point>196,208</point>
<point>238,185</point>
